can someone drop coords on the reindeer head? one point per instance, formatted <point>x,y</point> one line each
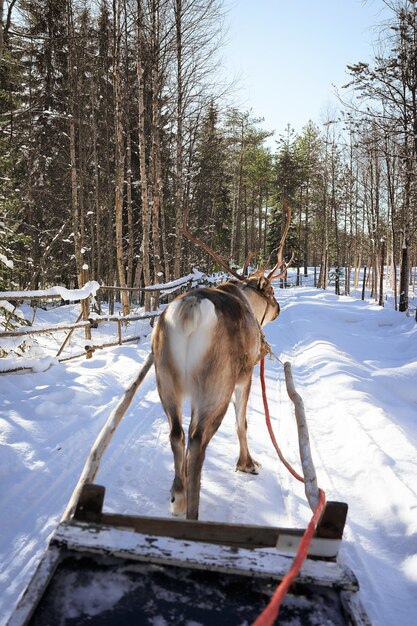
<point>260,293</point>
<point>257,287</point>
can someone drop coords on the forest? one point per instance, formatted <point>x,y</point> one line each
<point>114,119</point>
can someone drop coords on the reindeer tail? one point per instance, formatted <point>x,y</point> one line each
<point>191,314</point>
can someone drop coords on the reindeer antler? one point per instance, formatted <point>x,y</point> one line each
<point>248,259</point>
<point>207,248</point>
<point>280,262</point>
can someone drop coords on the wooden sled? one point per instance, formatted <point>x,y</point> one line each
<point>105,569</point>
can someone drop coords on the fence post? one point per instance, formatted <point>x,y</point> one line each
<point>364,281</point>
<point>119,331</point>
<point>85,308</point>
<point>381,276</point>
<point>69,335</point>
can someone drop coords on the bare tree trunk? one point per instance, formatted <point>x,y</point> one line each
<point>364,283</point>
<point>348,271</point>
<point>73,159</point>
<point>165,248</point>
<point>146,214</point>
<point>129,207</point>
<point>234,222</point>
<point>237,199</point>
<point>245,223</point>
<point>301,200</point>
<point>96,237</point>
<point>260,201</point>
<point>324,269</point>
<point>179,142</point>
<point>252,223</point>
<point>119,157</point>
<point>77,220</point>
<point>1,29</point>
<point>404,277</point>
<point>357,270</point>
<point>381,275</point>
<point>306,227</point>
<point>336,227</point>
<point>75,203</point>
<point>155,147</point>
<point>394,264</point>
<point>34,280</point>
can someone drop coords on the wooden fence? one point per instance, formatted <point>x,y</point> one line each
<point>90,317</point>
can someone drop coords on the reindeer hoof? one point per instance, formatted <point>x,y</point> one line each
<point>250,467</point>
<point>178,504</point>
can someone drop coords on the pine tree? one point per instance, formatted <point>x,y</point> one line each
<point>47,180</point>
<point>287,184</point>
<point>211,194</point>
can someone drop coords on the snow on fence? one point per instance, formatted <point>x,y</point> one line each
<point>20,348</point>
<point>13,341</point>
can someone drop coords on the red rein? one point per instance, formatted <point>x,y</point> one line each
<point>270,613</point>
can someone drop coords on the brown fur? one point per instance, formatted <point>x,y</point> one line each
<point>233,346</point>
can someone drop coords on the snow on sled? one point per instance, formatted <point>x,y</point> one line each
<point>106,569</point>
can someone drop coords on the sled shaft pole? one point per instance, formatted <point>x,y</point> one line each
<point>309,472</point>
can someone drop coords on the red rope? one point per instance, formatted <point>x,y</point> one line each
<point>270,613</point>
<point>269,426</point>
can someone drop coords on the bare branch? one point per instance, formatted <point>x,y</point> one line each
<point>207,248</point>
<point>280,262</point>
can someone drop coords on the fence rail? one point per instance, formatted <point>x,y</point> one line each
<point>87,320</point>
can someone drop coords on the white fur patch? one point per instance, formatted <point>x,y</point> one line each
<point>190,332</point>
<point>170,312</point>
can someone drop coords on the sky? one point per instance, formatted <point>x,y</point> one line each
<point>288,56</point>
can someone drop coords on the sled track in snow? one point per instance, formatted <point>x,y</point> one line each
<point>363,456</point>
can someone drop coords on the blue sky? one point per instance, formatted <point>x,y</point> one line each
<point>287,54</point>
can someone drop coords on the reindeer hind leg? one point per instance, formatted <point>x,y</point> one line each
<point>172,403</point>
<point>203,425</point>
<point>178,488</point>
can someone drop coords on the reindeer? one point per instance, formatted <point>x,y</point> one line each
<point>205,345</point>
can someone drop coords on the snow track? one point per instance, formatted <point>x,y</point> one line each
<point>355,366</point>
<point>365,454</point>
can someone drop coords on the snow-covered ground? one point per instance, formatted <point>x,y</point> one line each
<point>355,365</point>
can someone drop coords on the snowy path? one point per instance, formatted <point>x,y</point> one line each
<point>355,366</point>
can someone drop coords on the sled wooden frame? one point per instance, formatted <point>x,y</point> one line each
<point>243,550</point>
<point>226,549</point>
<point>324,545</point>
